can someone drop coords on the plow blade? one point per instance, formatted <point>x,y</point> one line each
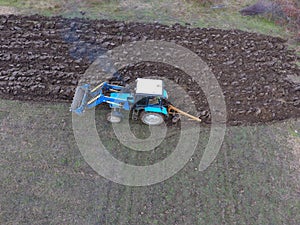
<point>172,110</point>
<point>80,99</point>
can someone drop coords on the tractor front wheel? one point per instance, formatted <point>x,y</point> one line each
<point>151,118</point>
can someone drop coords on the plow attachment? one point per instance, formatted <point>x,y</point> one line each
<point>172,110</point>
<point>81,97</point>
<point>84,97</point>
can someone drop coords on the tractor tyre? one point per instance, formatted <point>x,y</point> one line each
<point>152,119</point>
<point>113,119</point>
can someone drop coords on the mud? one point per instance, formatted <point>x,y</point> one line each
<point>42,59</point>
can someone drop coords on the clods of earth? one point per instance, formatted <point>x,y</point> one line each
<point>43,59</point>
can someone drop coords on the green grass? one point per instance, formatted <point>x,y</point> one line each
<point>230,18</point>
<point>166,12</point>
<point>44,173</point>
<point>294,132</point>
<point>12,3</point>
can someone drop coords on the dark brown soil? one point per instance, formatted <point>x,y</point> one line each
<point>42,59</point>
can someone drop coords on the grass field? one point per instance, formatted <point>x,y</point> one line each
<point>254,179</point>
<point>166,11</point>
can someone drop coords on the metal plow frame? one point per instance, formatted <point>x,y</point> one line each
<point>80,99</point>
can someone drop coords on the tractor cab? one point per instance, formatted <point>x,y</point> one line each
<point>149,93</point>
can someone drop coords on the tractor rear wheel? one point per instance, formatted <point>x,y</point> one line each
<point>151,118</point>
<point>113,118</point>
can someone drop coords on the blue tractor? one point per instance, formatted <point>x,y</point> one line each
<point>148,101</point>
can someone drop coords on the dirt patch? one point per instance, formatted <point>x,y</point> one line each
<point>295,143</point>
<point>6,10</point>
<point>43,58</point>
<point>131,4</point>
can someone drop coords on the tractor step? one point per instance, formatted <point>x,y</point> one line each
<point>135,114</point>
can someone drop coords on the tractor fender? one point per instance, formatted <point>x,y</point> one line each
<point>162,109</point>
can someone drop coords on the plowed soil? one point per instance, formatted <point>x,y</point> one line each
<point>42,59</point>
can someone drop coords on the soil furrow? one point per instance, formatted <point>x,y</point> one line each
<point>43,58</point>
